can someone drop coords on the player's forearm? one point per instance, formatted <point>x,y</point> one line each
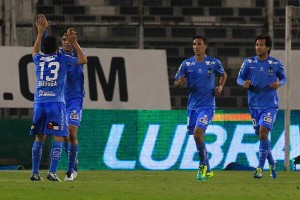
<point>282,82</point>
<point>222,80</point>
<point>37,44</point>
<point>81,57</point>
<point>176,83</point>
<point>240,81</point>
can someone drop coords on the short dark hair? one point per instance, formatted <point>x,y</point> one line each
<point>65,30</point>
<point>267,38</point>
<point>50,45</point>
<point>200,37</point>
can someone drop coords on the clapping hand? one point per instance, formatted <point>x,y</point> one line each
<point>71,34</point>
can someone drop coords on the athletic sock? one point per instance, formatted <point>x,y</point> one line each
<point>55,155</point>
<point>66,144</point>
<point>202,153</point>
<point>263,151</point>
<point>72,152</point>
<point>269,155</point>
<point>37,149</point>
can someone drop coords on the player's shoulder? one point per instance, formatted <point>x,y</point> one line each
<point>212,59</point>
<point>188,61</point>
<point>37,56</point>
<point>274,60</point>
<point>250,60</point>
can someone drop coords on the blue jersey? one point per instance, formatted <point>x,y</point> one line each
<point>51,73</point>
<point>201,81</point>
<point>75,79</point>
<point>262,74</point>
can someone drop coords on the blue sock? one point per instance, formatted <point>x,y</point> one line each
<point>55,155</point>
<point>73,150</point>
<point>263,151</point>
<point>207,163</point>
<point>269,156</point>
<point>37,149</point>
<point>66,144</point>
<point>202,153</point>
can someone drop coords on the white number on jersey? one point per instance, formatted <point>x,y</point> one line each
<point>53,71</point>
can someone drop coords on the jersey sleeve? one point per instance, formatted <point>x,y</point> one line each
<point>219,68</point>
<point>181,72</point>
<point>242,73</point>
<point>36,57</point>
<point>281,74</point>
<point>69,60</point>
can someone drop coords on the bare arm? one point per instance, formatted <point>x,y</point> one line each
<point>179,82</point>
<point>73,39</point>
<point>41,24</point>
<point>222,81</point>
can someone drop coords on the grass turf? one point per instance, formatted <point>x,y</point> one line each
<point>145,185</point>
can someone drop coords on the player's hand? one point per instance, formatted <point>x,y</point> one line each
<point>247,84</point>
<point>179,82</point>
<point>71,34</point>
<point>275,85</point>
<point>41,23</point>
<point>218,90</point>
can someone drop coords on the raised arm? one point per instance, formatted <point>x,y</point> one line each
<point>71,33</point>
<point>41,25</point>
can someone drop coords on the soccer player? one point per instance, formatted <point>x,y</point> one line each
<point>74,103</point>
<point>49,116</point>
<point>200,72</point>
<point>262,75</point>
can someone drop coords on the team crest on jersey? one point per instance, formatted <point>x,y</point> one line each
<point>53,126</point>
<point>204,120</point>
<point>74,115</point>
<point>270,70</point>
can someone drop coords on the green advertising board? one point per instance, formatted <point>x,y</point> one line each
<point>158,140</point>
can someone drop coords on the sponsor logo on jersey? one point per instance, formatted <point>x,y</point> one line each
<point>204,120</point>
<point>53,126</point>
<point>254,122</point>
<point>190,63</point>
<point>268,119</point>
<point>48,58</point>
<point>252,61</point>
<point>272,62</point>
<point>42,93</point>
<point>74,115</point>
<point>210,62</point>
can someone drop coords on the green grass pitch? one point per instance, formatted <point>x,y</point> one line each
<point>143,185</point>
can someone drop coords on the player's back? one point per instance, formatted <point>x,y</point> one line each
<point>51,72</point>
